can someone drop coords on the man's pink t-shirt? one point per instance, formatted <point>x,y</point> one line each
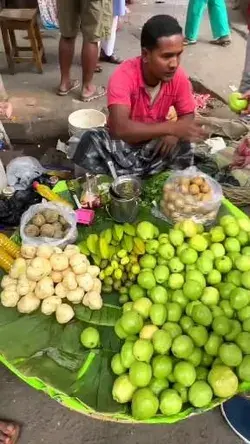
<point>127,87</point>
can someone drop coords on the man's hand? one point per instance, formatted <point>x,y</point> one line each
<point>246,96</point>
<point>166,145</point>
<point>188,130</point>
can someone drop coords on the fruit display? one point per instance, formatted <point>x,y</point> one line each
<point>52,279</point>
<point>138,322</point>
<point>47,223</point>
<point>191,194</point>
<point>117,252</point>
<point>186,326</point>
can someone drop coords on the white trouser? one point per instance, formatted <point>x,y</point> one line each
<point>108,46</point>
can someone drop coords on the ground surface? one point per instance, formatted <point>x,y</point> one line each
<point>41,113</point>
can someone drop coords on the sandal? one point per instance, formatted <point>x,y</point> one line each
<point>74,85</point>
<point>97,94</point>
<point>110,59</point>
<point>98,69</point>
<point>187,42</point>
<point>13,437</point>
<point>222,41</point>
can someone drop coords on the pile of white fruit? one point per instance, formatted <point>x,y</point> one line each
<point>46,276</point>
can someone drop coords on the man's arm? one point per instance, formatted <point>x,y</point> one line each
<point>122,127</point>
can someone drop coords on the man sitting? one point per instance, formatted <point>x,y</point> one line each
<point>139,139</point>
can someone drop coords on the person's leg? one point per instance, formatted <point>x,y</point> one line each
<point>245,80</point>
<point>68,16</point>
<point>9,432</point>
<point>236,412</point>
<point>96,23</point>
<point>219,20</point>
<point>108,46</point>
<point>195,12</point>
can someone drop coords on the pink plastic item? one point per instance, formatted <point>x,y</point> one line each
<point>84,216</point>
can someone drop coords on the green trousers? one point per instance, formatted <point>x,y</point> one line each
<point>217,14</point>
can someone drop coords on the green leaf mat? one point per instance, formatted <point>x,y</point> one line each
<point>49,356</point>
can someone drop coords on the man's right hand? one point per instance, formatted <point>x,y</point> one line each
<point>188,130</point>
<point>246,95</point>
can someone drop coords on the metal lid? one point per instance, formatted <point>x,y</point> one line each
<point>8,191</point>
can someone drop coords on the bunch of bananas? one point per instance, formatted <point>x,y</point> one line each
<point>116,251</point>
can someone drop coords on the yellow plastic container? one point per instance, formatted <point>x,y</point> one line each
<point>50,195</point>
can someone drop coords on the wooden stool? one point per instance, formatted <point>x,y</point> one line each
<point>21,19</point>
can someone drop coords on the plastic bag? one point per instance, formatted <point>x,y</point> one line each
<point>190,194</point>
<point>22,171</point>
<point>67,213</point>
<point>242,154</point>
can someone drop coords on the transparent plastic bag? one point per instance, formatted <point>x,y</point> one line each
<point>22,171</point>
<point>67,213</point>
<point>190,194</point>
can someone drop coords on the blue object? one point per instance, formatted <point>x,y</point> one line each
<point>236,412</point>
<point>119,8</point>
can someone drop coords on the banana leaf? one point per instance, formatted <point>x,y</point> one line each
<point>50,357</point>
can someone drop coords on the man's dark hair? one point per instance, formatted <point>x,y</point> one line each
<point>156,27</point>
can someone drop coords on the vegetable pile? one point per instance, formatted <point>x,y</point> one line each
<point>116,251</point>
<point>186,327</point>
<point>190,195</point>
<point>47,223</point>
<point>47,277</point>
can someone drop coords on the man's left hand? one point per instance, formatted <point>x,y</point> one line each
<point>166,145</point>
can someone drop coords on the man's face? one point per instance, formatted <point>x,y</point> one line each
<point>163,61</point>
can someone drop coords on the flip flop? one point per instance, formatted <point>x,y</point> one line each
<point>99,92</point>
<point>98,69</point>
<point>110,59</point>
<point>188,42</point>
<point>74,85</point>
<point>222,41</point>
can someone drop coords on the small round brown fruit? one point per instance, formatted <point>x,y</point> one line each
<point>179,203</point>
<point>194,189</point>
<point>31,230</point>
<point>205,188</point>
<point>198,181</point>
<point>47,230</point>
<point>184,189</point>
<point>170,206</point>
<point>38,220</point>
<point>207,197</point>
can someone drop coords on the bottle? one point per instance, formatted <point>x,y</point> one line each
<point>9,246</point>
<point>48,194</point>
<point>6,260</point>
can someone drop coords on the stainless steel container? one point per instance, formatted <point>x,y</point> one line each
<point>124,198</point>
<point>126,187</point>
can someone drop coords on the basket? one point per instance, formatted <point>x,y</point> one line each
<point>84,119</point>
<point>239,196</point>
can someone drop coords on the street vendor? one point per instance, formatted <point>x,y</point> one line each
<point>139,138</point>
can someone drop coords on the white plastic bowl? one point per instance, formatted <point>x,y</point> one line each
<point>84,119</point>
